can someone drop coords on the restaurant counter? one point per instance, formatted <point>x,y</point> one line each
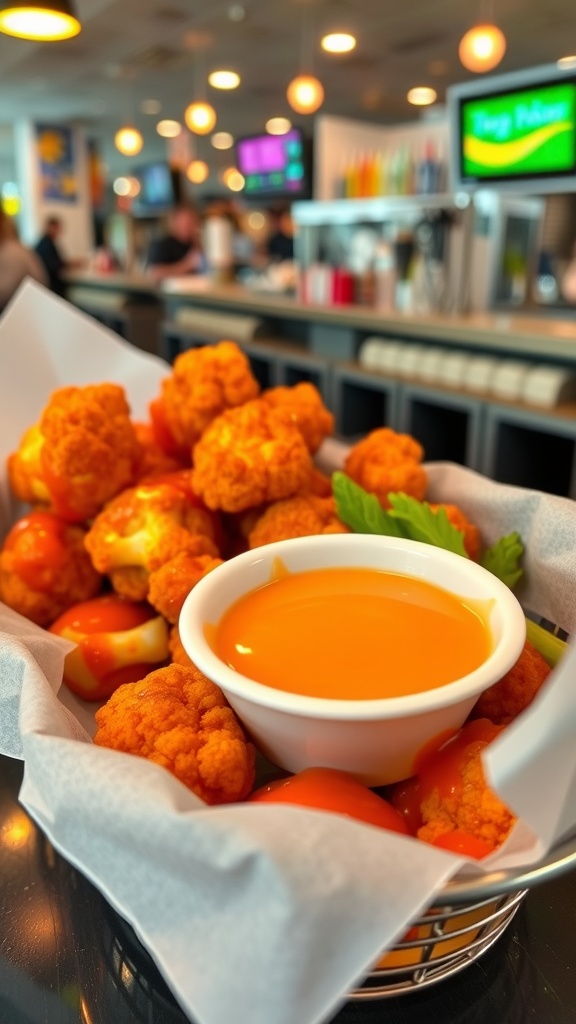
<point>67,958</point>
<point>287,318</point>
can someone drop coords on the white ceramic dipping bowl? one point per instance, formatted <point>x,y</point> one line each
<point>375,740</point>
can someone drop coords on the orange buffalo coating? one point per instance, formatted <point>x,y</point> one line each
<point>142,529</point>
<point>203,384</point>
<point>385,462</point>
<point>44,567</point>
<point>83,451</point>
<point>301,516</point>
<point>503,701</point>
<point>177,718</point>
<point>307,410</point>
<point>177,653</point>
<point>174,580</point>
<point>153,459</point>
<point>454,792</point>
<point>248,456</point>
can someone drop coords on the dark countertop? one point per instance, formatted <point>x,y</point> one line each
<point>67,958</point>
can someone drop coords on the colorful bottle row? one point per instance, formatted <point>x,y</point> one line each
<point>381,174</point>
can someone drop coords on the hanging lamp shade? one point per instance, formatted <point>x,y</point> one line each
<point>44,20</point>
<point>200,117</point>
<point>482,48</point>
<point>305,94</point>
<point>128,140</point>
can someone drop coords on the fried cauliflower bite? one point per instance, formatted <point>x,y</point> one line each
<point>153,458</point>
<point>249,456</point>
<point>83,452</point>
<point>203,384</point>
<point>44,567</point>
<point>142,529</point>
<point>301,516</point>
<point>305,405</point>
<point>170,585</point>
<point>385,462</point>
<point>177,653</point>
<point>471,533</point>
<point>454,791</point>
<point>503,701</point>
<point>177,718</point>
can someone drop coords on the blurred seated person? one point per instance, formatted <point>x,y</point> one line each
<point>49,252</point>
<point>280,242</point>
<point>16,261</point>
<point>178,251</point>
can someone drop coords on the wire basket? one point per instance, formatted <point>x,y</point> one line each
<point>464,920</point>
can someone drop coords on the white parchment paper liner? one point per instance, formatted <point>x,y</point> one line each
<point>258,913</point>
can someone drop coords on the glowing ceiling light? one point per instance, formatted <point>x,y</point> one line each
<point>169,129</point>
<point>278,125</point>
<point>128,140</point>
<point>482,48</point>
<point>150,106</point>
<point>567,63</point>
<point>305,94</point>
<point>197,171</point>
<point>233,180</point>
<point>222,140</point>
<point>224,79</point>
<point>200,117</point>
<point>421,96</point>
<point>48,21</point>
<point>338,42</point>
<point>121,186</point>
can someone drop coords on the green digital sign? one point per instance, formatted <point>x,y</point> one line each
<point>525,133</point>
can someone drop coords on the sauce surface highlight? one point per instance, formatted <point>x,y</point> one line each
<point>351,634</point>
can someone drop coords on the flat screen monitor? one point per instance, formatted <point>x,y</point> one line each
<point>157,189</point>
<point>274,165</point>
<point>518,134</point>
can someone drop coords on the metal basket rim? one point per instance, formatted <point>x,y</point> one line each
<point>556,862</point>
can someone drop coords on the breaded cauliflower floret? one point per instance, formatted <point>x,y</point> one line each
<point>170,585</point>
<point>177,653</point>
<point>44,567</point>
<point>180,720</point>
<point>301,516</point>
<point>153,458</point>
<point>83,452</point>
<point>455,794</point>
<point>385,462</point>
<point>203,384</point>
<point>503,701</point>
<point>249,456</point>
<point>472,539</point>
<point>142,529</point>
<point>305,405</point>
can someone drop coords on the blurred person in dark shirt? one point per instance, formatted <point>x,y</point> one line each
<point>49,252</point>
<point>280,243</point>
<point>178,251</point>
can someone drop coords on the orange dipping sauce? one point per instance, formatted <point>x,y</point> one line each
<point>351,634</point>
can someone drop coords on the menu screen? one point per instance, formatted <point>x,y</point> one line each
<point>525,133</point>
<point>273,164</point>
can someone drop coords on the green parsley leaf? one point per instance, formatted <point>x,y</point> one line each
<point>503,557</point>
<point>362,511</point>
<point>422,523</point>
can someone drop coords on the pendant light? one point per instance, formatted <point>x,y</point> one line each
<point>305,93</point>
<point>128,140</point>
<point>482,48</point>
<point>200,116</point>
<point>43,20</point>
